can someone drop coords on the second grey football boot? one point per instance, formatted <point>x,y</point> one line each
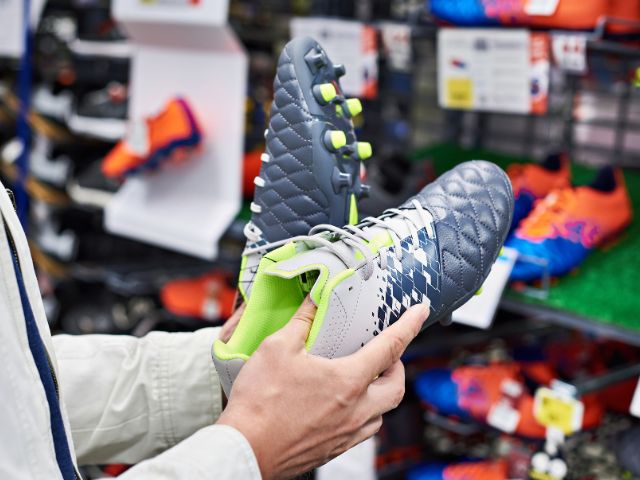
<point>310,173</point>
<point>436,249</point>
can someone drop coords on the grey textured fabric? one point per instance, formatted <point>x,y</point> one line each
<point>472,206</point>
<point>291,201</point>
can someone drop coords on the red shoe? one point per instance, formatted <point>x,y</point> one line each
<point>168,136</point>
<point>208,297</point>
<point>532,181</point>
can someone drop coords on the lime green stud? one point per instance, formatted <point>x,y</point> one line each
<point>338,139</point>
<point>501,251</point>
<point>334,139</point>
<point>354,106</point>
<point>480,291</point>
<point>324,93</point>
<point>364,150</point>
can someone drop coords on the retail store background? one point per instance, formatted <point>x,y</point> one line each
<point>583,329</point>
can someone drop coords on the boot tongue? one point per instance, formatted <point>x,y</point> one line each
<point>314,269</point>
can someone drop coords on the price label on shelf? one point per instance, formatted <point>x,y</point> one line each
<point>556,409</point>
<point>635,403</point>
<point>541,7</point>
<point>504,414</point>
<point>570,52</point>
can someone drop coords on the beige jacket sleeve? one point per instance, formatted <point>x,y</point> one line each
<point>131,398</point>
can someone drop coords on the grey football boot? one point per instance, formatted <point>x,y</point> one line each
<point>436,249</point>
<point>310,173</point>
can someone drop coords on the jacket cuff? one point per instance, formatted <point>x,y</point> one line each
<point>188,386</point>
<point>218,452</point>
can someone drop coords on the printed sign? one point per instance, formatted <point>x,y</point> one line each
<point>493,70</point>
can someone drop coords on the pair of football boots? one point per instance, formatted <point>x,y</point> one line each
<point>436,249</point>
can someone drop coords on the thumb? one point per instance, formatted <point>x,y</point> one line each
<point>299,326</point>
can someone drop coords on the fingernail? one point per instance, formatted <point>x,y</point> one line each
<point>424,314</point>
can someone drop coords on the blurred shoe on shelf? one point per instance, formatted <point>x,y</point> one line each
<point>532,181</point>
<point>471,392</point>
<point>485,470</point>
<point>90,187</point>
<point>208,297</point>
<point>568,223</point>
<point>169,136</point>
<point>101,114</point>
<point>44,164</point>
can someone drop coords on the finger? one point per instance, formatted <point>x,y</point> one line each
<point>299,326</point>
<point>386,391</point>
<point>387,348</point>
<point>230,325</point>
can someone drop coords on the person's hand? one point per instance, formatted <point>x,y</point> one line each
<point>230,325</point>
<point>298,411</point>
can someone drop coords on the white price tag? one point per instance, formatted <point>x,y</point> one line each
<point>570,52</point>
<point>541,7</point>
<point>635,403</point>
<point>503,414</point>
<point>503,417</point>
<point>480,310</point>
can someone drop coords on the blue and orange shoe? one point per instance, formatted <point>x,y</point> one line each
<point>470,392</point>
<point>169,136</point>
<point>534,181</point>
<point>570,222</point>
<point>485,470</point>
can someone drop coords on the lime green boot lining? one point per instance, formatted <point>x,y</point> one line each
<point>274,300</point>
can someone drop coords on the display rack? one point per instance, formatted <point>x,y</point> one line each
<point>197,56</point>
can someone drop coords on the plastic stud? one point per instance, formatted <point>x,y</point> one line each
<point>354,106</point>
<point>324,93</point>
<point>334,139</point>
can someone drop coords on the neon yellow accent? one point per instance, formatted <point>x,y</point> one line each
<point>354,106</point>
<point>353,211</point>
<point>382,239</point>
<point>273,302</point>
<point>501,251</point>
<point>364,150</point>
<point>317,289</point>
<point>243,266</point>
<point>339,112</point>
<point>328,91</point>
<point>338,139</point>
<point>480,290</point>
<point>324,305</point>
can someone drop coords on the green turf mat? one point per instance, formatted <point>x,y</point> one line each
<point>605,288</point>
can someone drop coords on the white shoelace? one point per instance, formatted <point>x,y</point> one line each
<point>355,236</point>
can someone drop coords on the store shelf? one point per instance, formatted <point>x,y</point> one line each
<point>553,315</point>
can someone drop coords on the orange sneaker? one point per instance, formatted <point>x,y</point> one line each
<point>532,181</point>
<point>169,135</point>
<point>566,225</point>
<point>208,297</point>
